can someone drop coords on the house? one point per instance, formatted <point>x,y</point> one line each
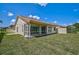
<point>30,27</point>
<point>61,29</point>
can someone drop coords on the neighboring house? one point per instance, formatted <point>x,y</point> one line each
<point>61,29</point>
<point>30,27</point>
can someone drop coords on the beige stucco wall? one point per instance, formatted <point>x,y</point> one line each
<point>62,30</point>
<point>20,25</point>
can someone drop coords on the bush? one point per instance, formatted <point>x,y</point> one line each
<point>2,33</point>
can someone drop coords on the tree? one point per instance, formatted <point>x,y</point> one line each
<point>77,26</point>
<point>1,23</point>
<point>74,28</point>
<point>71,29</point>
<point>1,34</point>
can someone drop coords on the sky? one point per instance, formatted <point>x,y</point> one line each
<point>59,13</point>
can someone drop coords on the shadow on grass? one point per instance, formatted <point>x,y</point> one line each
<point>2,33</point>
<point>43,35</point>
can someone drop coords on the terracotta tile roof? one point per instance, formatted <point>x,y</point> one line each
<point>32,20</point>
<point>35,21</point>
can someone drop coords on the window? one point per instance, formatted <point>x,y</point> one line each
<point>22,28</point>
<point>44,30</point>
<point>49,29</point>
<point>17,29</point>
<point>34,29</point>
<point>25,27</point>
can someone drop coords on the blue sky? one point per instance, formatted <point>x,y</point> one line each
<point>60,13</point>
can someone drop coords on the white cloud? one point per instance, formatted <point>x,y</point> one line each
<point>10,14</point>
<point>30,15</point>
<point>36,17</point>
<point>55,21</point>
<point>65,24</point>
<point>12,22</point>
<point>43,4</point>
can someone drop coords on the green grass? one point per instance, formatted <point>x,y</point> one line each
<point>56,44</point>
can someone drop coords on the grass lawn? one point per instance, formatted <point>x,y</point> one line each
<point>56,44</point>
